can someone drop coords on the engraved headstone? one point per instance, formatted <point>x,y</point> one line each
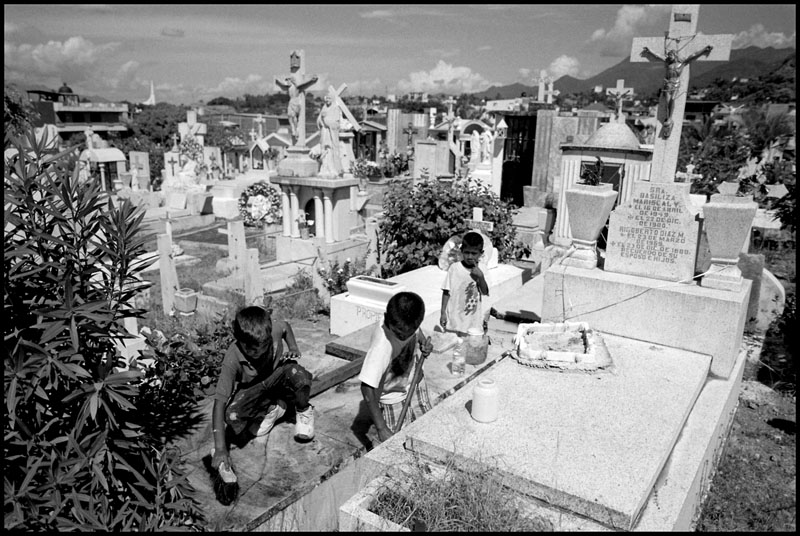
<point>655,234</point>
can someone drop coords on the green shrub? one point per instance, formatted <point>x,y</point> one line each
<point>76,456</point>
<point>419,219</point>
<point>335,277</point>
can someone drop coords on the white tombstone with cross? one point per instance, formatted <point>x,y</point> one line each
<point>620,93</point>
<point>191,128</point>
<point>677,49</point>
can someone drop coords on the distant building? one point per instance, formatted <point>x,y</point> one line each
<point>72,118</point>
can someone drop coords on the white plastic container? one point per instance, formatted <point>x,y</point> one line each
<point>485,401</point>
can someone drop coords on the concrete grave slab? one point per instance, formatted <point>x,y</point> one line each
<point>688,316</point>
<point>176,200</point>
<point>597,454</point>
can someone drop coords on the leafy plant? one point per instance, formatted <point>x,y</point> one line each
<point>335,277</point>
<point>420,218</point>
<point>76,455</point>
<point>593,175</point>
<point>301,300</point>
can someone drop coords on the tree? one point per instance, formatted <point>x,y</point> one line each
<point>78,454</point>
<point>419,219</point>
<point>18,114</point>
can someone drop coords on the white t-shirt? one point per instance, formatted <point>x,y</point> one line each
<point>389,364</point>
<point>465,307</point>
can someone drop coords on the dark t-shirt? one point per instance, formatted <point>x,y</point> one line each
<point>238,372</point>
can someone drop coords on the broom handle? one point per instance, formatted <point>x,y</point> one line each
<point>412,387</point>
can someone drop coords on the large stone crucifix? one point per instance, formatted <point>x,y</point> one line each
<point>296,84</point>
<point>620,93</point>
<point>677,49</point>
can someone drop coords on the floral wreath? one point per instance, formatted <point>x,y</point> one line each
<point>260,204</point>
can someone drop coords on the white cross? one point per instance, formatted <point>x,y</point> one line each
<point>550,93</point>
<point>620,93</point>
<point>335,94</point>
<point>681,39</point>
<point>259,120</point>
<point>450,102</point>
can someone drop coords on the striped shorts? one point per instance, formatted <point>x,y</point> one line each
<point>420,405</point>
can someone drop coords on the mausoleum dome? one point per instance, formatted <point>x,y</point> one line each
<point>614,135</point>
<point>65,88</point>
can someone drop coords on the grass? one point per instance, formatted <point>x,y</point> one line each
<point>451,499</point>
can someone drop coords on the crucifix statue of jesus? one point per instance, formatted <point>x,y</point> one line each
<point>296,84</point>
<point>681,46</point>
<point>674,65</point>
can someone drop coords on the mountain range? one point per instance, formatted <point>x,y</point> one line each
<point>646,78</point>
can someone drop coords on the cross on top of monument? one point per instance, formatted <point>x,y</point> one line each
<point>620,93</point>
<point>542,80</point>
<point>450,102</point>
<point>295,84</point>
<point>677,49</point>
<point>550,92</point>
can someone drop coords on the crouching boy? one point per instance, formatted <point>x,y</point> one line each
<point>391,360</point>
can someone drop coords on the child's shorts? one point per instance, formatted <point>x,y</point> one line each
<point>420,405</point>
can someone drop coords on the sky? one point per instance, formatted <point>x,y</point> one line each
<point>194,52</point>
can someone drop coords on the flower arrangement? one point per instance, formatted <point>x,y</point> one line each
<point>336,275</point>
<point>593,175</point>
<point>192,148</point>
<point>260,204</point>
<point>363,168</point>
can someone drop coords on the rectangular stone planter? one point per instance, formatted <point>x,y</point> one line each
<point>373,288</point>
<point>185,300</point>
<point>355,516</point>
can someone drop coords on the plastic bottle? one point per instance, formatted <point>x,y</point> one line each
<point>485,401</point>
<point>458,365</point>
<point>476,346</point>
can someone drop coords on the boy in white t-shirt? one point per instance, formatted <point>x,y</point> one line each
<point>390,363</point>
<point>463,289</point>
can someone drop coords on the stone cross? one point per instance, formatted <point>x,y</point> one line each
<point>296,84</point>
<point>259,120</point>
<point>620,93</point>
<point>410,131</point>
<point>542,80</point>
<point>450,102</point>
<point>477,223</point>
<point>191,128</point>
<point>689,175</point>
<point>172,163</point>
<point>253,134</point>
<point>550,93</point>
<point>175,143</point>
<point>677,49</point>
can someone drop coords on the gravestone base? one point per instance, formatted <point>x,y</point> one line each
<point>723,277</point>
<point>297,163</point>
<point>687,316</point>
<point>584,256</point>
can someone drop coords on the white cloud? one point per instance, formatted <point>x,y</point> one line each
<point>524,75</point>
<point>563,65</point>
<point>630,19</point>
<point>378,14</point>
<point>444,77</point>
<point>758,36</point>
<point>75,60</point>
<point>484,48</point>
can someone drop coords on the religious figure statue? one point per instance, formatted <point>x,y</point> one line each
<point>186,178</point>
<point>295,84</point>
<point>674,66</point>
<point>475,146</point>
<point>486,146</point>
<point>329,123</point>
